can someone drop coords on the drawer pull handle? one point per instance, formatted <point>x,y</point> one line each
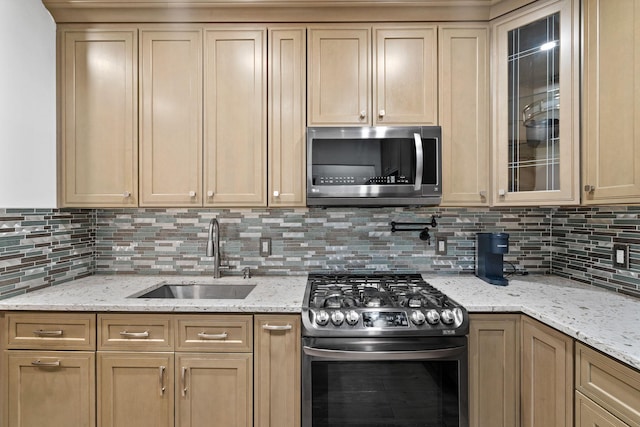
<point>222,336</point>
<point>126,334</point>
<point>268,327</point>
<point>43,333</point>
<point>162,368</point>
<point>184,381</point>
<point>46,364</point>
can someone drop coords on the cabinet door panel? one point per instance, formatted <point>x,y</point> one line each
<point>611,124</point>
<point>405,83</point>
<point>339,84</point>
<point>98,117</point>
<point>171,118</point>
<point>214,389</point>
<point>61,394</point>
<point>494,359</point>
<point>287,118</point>
<point>464,114</point>
<point>135,389</point>
<point>547,376</point>
<point>235,117</point>
<point>277,383</point>
<point>536,138</point>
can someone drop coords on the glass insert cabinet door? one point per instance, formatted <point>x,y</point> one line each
<point>536,106</point>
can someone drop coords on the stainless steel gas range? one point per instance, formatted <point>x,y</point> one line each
<point>382,350</point>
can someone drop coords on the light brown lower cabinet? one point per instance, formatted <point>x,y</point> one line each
<point>214,389</point>
<point>47,372</point>
<point>547,376</point>
<point>149,370</point>
<point>50,388</point>
<point>135,389</point>
<point>494,370</point>
<point>590,414</point>
<point>607,392</point>
<point>277,370</point>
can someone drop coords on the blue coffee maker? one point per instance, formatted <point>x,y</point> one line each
<point>490,248</point>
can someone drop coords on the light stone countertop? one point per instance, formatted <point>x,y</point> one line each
<point>602,319</point>
<point>607,321</point>
<point>272,294</point>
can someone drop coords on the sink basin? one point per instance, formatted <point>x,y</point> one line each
<point>199,291</point>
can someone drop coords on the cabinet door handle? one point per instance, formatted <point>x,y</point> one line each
<point>268,327</point>
<point>589,188</point>
<point>183,379</point>
<point>43,333</point>
<point>46,364</point>
<point>192,194</point>
<point>162,368</point>
<point>126,194</point>
<point>483,194</point>
<point>205,336</point>
<point>126,334</point>
<point>209,193</point>
<point>363,115</point>
<point>382,113</point>
<point>276,193</point>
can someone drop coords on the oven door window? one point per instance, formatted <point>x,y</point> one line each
<point>385,393</point>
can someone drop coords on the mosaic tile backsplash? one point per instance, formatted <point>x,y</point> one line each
<point>152,241</point>
<point>46,247</point>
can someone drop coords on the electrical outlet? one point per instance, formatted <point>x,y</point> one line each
<point>441,245</point>
<point>620,256</point>
<point>265,246</point>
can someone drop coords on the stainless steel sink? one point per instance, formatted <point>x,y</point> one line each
<point>199,291</point>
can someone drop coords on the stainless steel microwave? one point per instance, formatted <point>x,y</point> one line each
<point>374,166</point>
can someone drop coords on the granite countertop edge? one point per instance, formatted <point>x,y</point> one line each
<point>607,321</point>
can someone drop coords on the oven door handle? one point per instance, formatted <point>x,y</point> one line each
<point>384,355</point>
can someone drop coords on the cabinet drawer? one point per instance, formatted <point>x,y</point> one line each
<point>611,384</point>
<point>589,414</point>
<point>219,333</point>
<point>51,331</point>
<point>141,332</point>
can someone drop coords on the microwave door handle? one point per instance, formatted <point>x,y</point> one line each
<point>419,162</point>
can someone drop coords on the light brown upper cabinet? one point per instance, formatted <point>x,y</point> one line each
<point>287,116</point>
<point>97,121</point>
<point>235,118</point>
<point>611,102</point>
<point>536,105</point>
<point>203,116</point>
<point>392,83</point>
<point>171,117</point>
<point>464,113</point>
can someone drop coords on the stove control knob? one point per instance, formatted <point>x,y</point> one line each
<point>417,317</point>
<point>447,316</point>
<point>322,318</point>
<point>433,317</point>
<point>337,317</point>
<point>352,317</point>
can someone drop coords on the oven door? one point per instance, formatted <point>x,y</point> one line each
<point>391,382</point>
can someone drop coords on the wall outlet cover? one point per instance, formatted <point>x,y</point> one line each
<point>620,256</point>
<point>441,245</point>
<point>265,246</point>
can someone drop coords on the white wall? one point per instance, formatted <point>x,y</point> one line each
<point>27,105</point>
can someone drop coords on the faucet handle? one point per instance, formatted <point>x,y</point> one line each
<point>246,273</point>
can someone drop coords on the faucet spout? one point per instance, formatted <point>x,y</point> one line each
<point>213,246</point>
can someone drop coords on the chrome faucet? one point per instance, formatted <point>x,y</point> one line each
<point>213,246</point>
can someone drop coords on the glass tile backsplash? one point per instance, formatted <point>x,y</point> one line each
<point>46,247</point>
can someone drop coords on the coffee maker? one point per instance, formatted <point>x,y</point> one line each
<point>490,248</point>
